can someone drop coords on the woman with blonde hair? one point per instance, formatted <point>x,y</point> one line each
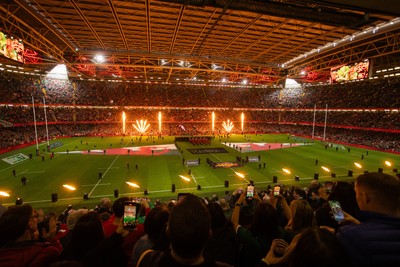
<point>301,217</point>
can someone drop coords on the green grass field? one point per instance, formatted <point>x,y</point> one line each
<point>156,173</point>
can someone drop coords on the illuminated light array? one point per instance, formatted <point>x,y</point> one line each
<point>228,126</point>
<point>388,163</point>
<point>325,169</point>
<point>4,194</point>
<point>185,178</point>
<point>358,165</point>
<point>141,126</point>
<point>286,171</point>
<point>159,121</point>
<point>132,184</point>
<point>123,121</point>
<point>242,120</point>
<point>69,187</point>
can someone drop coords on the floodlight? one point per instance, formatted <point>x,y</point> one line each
<point>99,58</point>
<point>58,72</point>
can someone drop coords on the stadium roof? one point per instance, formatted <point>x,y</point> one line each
<point>203,41</point>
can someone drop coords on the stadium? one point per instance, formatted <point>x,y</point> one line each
<point>150,99</point>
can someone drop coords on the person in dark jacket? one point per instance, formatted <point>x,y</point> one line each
<point>189,228</point>
<point>89,246</point>
<point>375,239</point>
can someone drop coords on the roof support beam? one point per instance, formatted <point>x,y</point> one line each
<point>119,26</point>
<point>87,22</point>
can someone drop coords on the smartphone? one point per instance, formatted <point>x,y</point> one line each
<point>277,190</point>
<point>181,196</point>
<point>250,191</point>
<point>130,213</point>
<point>337,211</point>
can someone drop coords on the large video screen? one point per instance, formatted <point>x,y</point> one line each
<point>349,72</point>
<point>11,47</point>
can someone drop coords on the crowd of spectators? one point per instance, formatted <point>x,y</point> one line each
<point>277,226</point>
<point>94,107</point>
<point>375,93</point>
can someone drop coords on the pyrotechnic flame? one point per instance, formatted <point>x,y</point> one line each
<point>4,194</point>
<point>228,126</point>
<point>69,187</point>
<point>132,184</point>
<point>239,174</point>
<point>185,178</point>
<point>325,169</point>
<point>141,126</point>
<point>358,165</point>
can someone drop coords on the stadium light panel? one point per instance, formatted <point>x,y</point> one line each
<point>58,72</point>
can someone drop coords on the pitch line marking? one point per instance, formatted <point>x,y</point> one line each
<point>95,184</point>
<point>109,167</point>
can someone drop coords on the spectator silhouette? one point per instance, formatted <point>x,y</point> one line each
<point>345,194</point>
<point>376,240</point>
<point>155,226</point>
<point>315,247</point>
<point>18,231</point>
<point>89,246</point>
<point>189,228</point>
<point>223,245</point>
<point>256,238</point>
<point>72,218</point>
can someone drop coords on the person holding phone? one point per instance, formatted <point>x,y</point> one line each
<point>344,193</point>
<point>257,237</point>
<point>111,225</point>
<point>375,241</point>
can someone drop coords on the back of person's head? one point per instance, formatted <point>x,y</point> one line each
<point>48,225</point>
<point>14,222</point>
<point>302,215</point>
<point>345,194</point>
<point>119,205</point>
<point>301,194</point>
<point>171,204</point>
<point>224,204</point>
<point>74,216</point>
<point>155,226</point>
<point>104,207</point>
<point>189,227</point>
<point>87,234</point>
<point>383,192</point>
<point>246,215</point>
<point>319,248</point>
<point>217,214</point>
<point>265,220</point>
